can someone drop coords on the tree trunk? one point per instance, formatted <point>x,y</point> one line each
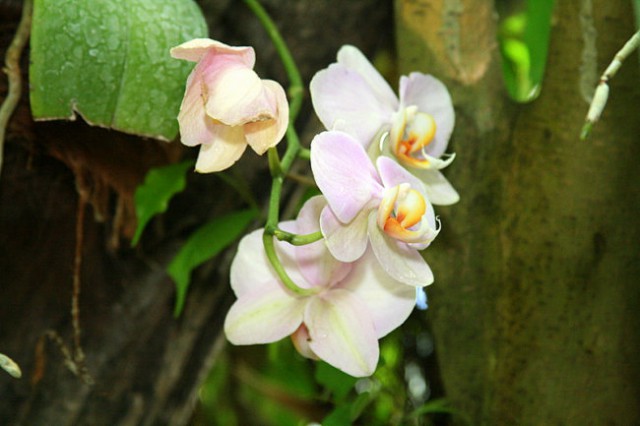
<point>146,365</point>
<point>534,308</point>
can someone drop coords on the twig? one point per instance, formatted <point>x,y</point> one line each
<point>12,69</point>
<point>602,91</point>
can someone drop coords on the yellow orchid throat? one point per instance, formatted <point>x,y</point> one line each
<point>401,209</point>
<point>412,131</point>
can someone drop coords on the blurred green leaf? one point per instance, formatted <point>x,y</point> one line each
<point>216,402</point>
<point>202,245</point>
<point>290,370</point>
<point>440,406</point>
<point>153,196</point>
<point>524,43</point>
<point>334,380</point>
<point>340,416</point>
<point>109,61</point>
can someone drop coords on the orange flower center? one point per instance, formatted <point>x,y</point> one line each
<point>412,131</point>
<point>401,209</point>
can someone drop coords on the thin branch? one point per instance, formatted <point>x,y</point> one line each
<point>12,69</point>
<point>602,91</point>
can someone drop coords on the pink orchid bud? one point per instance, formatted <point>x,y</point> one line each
<point>226,106</point>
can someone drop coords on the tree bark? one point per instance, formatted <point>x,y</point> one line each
<point>534,308</point>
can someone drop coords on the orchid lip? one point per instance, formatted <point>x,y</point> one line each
<point>413,131</point>
<point>401,215</point>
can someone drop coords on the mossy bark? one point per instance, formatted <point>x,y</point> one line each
<point>534,308</point>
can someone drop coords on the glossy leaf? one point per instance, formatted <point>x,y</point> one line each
<point>524,43</point>
<point>205,243</point>
<point>153,196</point>
<point>109,62</point>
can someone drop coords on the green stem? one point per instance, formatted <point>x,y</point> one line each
<point>304,153</point>
<point>297,239</point>
<point>296,88</point>
<point>279,167</point>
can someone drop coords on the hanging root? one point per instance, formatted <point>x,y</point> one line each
<point>12,69</point>
<point>602,91</point>
<point>74,359</point>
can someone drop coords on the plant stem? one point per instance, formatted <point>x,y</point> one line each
<point>12,68</point>
<point>296,89</point>
<point>279,167</point>
<point>297,239</point>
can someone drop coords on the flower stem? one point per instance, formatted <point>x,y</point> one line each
<point>304,153</point>
<point>270,249</point>
<point>297,239</point>
<point>280,167</point>
<point>296,89</point>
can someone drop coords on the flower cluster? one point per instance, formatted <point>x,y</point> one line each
<point>378,168</point>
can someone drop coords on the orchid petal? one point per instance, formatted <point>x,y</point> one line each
<point>401,261</point>
<point>250,267</point>
<point>263,316</point>
<point>343,100</point>
<point>314,261</point>
<point>346,242</point>
<point>223,151</point>
<point>344,173</point>
<point>438,189</point>
<point>236,95</point>
<point>428,162</point>
<point>194,50</point>
<point>393,174</point>
<point>352,58</point>
<point>196,127</point>
<point>431,97</point>
<point>388,301</point>
<point>301,341</point>
<point>342,333</point>
<point>262,135</point>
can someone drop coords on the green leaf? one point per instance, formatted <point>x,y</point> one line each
<point>289,370</point>
<point>340,416</point>
<point>440,406</point>
<point>109,62</point>
<point>205,243</point>
<point>524,43</point>
<point>334,380</point>
<point>152,197</point>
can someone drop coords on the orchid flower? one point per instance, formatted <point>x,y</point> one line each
<point>349,306</point>
<point>387,207</point>
<point>353,97</point>
<point>227,106</point>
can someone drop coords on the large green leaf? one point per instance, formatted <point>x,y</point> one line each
<point>109,62</point>
<point>153,196</point>
<point>206,242</point>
